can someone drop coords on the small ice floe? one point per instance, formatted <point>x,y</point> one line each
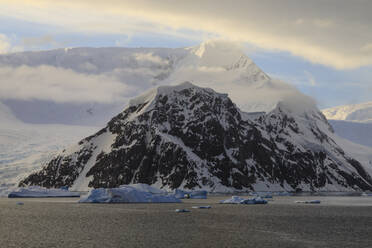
<point>239,200</point>
<point>127,194</point>
<point>40,192</point>
<point>266,195</point>
<point>309,202</point>
<point>198,194</point>
<point>202,207</point>
<point>20,203</point>
<point>366,194</point>
<point>183,210</point>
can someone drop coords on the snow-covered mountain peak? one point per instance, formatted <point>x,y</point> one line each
<point>220,53</point>
<point>226,55</point>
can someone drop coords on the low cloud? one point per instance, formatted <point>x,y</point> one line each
<point>148,59</point>
<point>39,41</point>
<point>59,85</point>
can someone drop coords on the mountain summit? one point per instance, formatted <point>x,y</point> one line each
<point>190,137</point>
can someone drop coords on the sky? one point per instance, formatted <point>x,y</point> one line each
<point>323,47</point>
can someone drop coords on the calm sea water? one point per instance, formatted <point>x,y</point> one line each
<point>336,222</point>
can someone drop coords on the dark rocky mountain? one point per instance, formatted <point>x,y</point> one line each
<point>190,137</point>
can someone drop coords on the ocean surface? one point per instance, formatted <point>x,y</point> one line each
<point>336,222</point>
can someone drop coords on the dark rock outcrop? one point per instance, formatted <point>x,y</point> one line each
<point>190,137</point>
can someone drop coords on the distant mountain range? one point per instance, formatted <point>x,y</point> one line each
<point>354,112</point>
<point>352,122</point>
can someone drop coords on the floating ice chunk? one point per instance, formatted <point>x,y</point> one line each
<point>234,200</point>
<point>366,194</point>
<point>239,200</point>
<point>127,194</point>
<point>184,210</point>
<point>309,202</point>
<point>198,194</point>
<point>40,192</point>
<point>255,200</point>
<point>202,207</point>
<point>266,196</point>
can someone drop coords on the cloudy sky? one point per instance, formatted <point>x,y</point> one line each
<point>324,48</point>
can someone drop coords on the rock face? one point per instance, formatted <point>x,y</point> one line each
<point>190,138</point>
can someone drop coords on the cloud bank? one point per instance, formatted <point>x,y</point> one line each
<point>331,32</point>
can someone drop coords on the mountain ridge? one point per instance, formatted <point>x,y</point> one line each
<point>190,137</point>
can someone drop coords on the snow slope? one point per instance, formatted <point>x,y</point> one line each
<point>357,132</point>
<point>362,153</point>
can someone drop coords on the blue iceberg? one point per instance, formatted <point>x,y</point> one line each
<point>127,194</point>
<point>40,192</point>
<point>239,200</point>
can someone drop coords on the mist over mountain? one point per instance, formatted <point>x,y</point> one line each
<point>87,86</point>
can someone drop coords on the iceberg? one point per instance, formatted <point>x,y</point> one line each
<point>198,194</point>
<point>239,200</point>
<point>184,210</point>
<point>202,207</point>
<point>309,202</point>
<point>128,194</point>
<point>40,192</point>
<point>366,194</point>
